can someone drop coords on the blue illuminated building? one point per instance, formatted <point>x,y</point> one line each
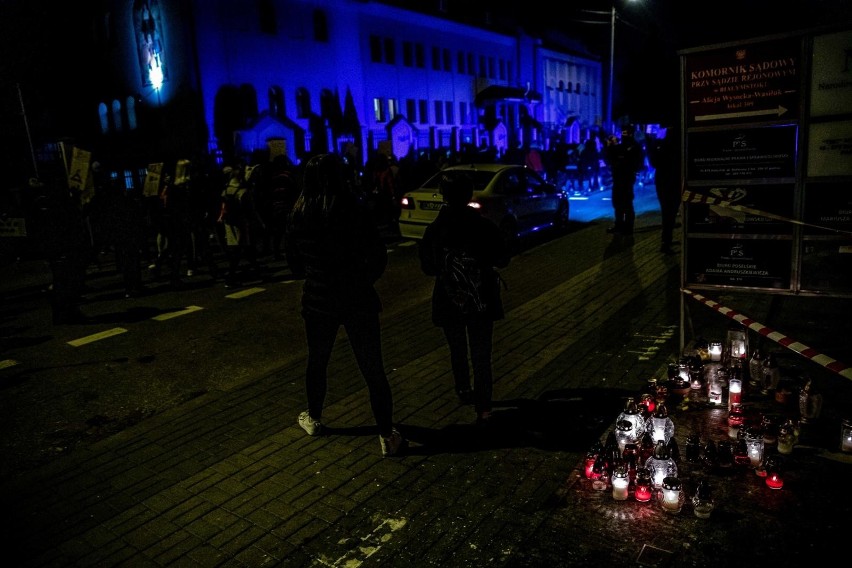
<point>225,78</point>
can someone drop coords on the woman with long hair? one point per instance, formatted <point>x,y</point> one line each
<point>334,244</point>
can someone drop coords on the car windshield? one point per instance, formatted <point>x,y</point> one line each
<point>481,179</point>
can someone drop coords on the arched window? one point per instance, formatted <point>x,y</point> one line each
<point>103,117</point>
<point>303,103</point>
<point>276,102</point>
<point>116,116</point>
<point>130,107</point>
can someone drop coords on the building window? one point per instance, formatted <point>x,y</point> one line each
<point>471,64</point>
<point>276,102</point>
<point>483,69</point>
<point>411,110</point>
<point>303,103</point>
<point>408,54</point>
<point>103,117</point>
<point>379,110</point>
<point>130,107</point>
<point>436,58</point>
<point>439,112</point>
<point>390,51</point>
<point>320,26</point>
<point>419,56</point>
<point>463,118</point>
<point>116,116</point>
<point>266,13</point>
<point>375,49</point>
<point>460,63</point>
<point>424,111</point>
<point>448,62</point>
<point>448,107</point>
<point>393,108</point>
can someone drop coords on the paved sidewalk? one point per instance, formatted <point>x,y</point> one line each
<point>229,479</point>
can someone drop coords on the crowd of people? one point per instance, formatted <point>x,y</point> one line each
<point>326,219</point>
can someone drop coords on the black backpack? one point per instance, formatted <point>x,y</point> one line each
<point>462,280</point>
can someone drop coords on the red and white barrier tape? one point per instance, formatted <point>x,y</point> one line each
<point>703,198</point>
<point>831,364</point>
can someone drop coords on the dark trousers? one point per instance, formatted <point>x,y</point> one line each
<point>669,206</point>
<point>477,335</point>
<point>622,204</point>
<point>365,336</point>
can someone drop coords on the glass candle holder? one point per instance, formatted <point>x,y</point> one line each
<point>846,435</point>
<point>644,486</point>
<point>755,369</point>
<point>715,351</point>
<point>754,446</point>
<point>624,434</point>
<point>632,414</point>
<point>589,463</point>
<point>693,448</point>
<point>661,465</point>
<point>599,473</point>
<point>771,374</point>
<point>736,419</point>
<point>702,502</point>
<point>620,483</point>
<point>671,495</point>
<point>735,391</point>
<point>810,402</point>
<point>647,404</point>
<point>786,439</point>
<point>662,427</point>
<point>716,380</point>
<point>774,478</point>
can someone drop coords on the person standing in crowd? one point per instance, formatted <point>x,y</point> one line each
<point>461,246</point>
<point>625,159</point>
<point>63,238</point>
<point>240,219</point>
<point>333,242</point>
<point>125,231</point>
<point>664,157</point>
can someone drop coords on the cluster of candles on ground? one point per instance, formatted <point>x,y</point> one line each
<point>640,456</point>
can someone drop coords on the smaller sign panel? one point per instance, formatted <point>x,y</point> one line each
<point>742,153</point>
<point>753,263</point>
<point>831,88</point>
<point>827,266</point>
<point>828,205</point>
<point>744,209</point>
<point>830,149</point>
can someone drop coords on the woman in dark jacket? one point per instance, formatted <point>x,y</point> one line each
<point>332,242</point>
<point>461,249</point>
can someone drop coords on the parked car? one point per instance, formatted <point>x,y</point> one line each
<point>516,198</point>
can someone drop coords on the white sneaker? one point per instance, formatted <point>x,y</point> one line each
<point>394,444</point>
<point>311,426</point>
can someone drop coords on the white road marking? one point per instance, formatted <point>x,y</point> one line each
<point>97,336</point>
<point>245,293</point>
<point>170,315</point>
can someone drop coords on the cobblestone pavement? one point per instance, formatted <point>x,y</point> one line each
<point>229,479</point>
